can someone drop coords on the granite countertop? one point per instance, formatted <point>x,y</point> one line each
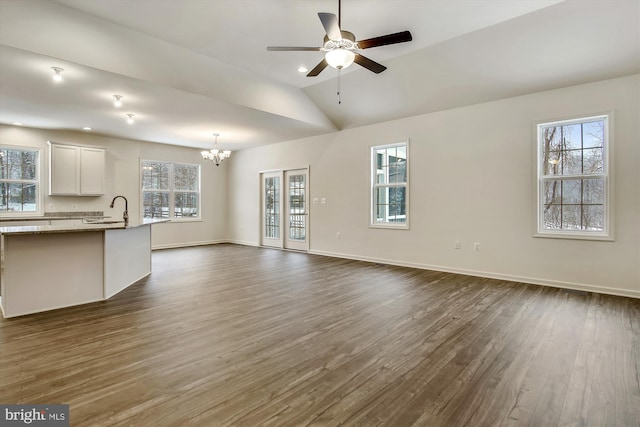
<point>56,216</point>
<point>49,218</point>
<point>75,228</point>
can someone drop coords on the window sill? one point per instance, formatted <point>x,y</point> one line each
<point>185,220</point>
<point>390,227</point>
<point>176,220</point>
<point>575,236</point>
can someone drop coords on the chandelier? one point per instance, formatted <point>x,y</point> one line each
<point>216,155</point>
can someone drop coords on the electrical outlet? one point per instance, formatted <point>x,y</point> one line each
<point>51,207</point>
<point>338,235</point>
<point>456,244</point>
<point>324,200</point>
<point>476,246</point>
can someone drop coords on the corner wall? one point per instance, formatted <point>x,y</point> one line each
<point>122,176</point>
<point>471,179</point>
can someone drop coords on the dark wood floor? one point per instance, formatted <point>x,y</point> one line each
<point>233,335</point>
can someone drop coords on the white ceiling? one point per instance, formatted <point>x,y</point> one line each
<point>189,68</point>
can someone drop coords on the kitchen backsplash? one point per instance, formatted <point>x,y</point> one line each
<point>73,214</point>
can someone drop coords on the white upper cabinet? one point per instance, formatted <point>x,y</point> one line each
<point>76,170</point>
<point>63,170</point>
<point>92,171</point>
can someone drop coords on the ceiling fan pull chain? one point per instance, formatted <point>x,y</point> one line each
<point>339,99</point>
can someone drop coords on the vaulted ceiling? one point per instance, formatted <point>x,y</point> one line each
<point>189,68</point>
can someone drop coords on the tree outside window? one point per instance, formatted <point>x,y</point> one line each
<point>19,180</point>
<point>573,176</point>
<point>170,190</point>
<point>389,176</point>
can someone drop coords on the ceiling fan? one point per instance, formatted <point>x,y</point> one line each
<point>341,48</point>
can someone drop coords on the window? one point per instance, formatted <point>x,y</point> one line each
<point>170,190</point>
<point>573,178</point>
<point>389,186</point>
<point>19,181</point>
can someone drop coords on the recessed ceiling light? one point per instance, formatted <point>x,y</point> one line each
<point>86,128</point>
<point>57,77</point>
<point>118,101</point>
<point>17,124</point>
<point>302,69</point>
<point>130,118</point>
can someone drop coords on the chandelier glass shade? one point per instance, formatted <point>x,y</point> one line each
<point>216,155</point>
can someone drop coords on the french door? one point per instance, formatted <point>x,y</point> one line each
<point>284,209</point>
<point>271,223</point>
<point>296,210</point>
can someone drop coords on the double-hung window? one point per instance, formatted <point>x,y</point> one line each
<point>389,186</point>
<point>19,181</point>
<point>573,178</point>
<point>170,190</point>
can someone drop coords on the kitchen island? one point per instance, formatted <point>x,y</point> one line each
<point>45,267</point>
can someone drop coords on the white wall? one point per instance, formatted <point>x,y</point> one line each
<point>471,179</point>
<point>123,177</point>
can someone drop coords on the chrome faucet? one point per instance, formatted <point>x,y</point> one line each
<point>125,214</point>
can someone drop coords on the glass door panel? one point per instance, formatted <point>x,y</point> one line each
<point>271,211</point>
<point>296,217</point>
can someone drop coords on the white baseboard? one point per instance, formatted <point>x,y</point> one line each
<point>243,242</point>
<point>187,244</point>
<point>499,276</point>
<point>490,275</point>
<point>203,243</point>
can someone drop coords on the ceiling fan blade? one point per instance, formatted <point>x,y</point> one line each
<point>369,64</point>
<point>331,27</point>
<point>401,37</point>
<point>292,48</point>
<point>318,68</point>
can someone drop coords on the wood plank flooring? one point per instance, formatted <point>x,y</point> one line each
<point>232,335</point>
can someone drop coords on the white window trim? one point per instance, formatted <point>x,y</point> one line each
<point>171,191</point>
<point>373,186</point>
<point>40,196</point>
<point>607,233</point>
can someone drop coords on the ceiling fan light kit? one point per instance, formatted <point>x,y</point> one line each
<point>339,58</point>
<point>57,74</point>
<point>341,48</point>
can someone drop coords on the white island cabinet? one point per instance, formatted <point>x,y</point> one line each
<point>76,170</point>
<point>54,266</point>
